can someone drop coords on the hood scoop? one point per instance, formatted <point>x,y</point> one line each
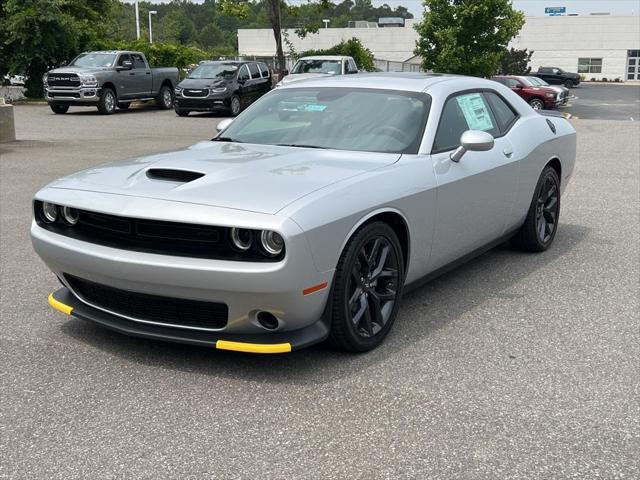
<point>173,175</point>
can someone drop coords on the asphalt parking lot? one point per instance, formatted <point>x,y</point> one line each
<point>605,102</point>
<point>513,366</point>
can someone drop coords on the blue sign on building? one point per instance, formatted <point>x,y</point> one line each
<point>555,10</point>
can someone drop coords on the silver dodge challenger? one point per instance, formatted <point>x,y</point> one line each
<point>308,215</point>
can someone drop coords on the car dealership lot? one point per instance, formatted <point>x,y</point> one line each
<point>512,366</point>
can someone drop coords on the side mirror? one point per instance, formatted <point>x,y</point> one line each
<point>242,79</point>
<point>474,141</point>
<point>126,65</point>
<point>223,124</point>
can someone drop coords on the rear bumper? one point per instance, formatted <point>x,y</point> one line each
<point>281,342</point>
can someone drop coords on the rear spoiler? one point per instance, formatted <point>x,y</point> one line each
<point>550,113</point>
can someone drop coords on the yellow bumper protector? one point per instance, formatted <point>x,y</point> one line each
<point>253,347</point>
<point>59,305</point>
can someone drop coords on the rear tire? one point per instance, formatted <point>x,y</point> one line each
<point>569,84</point>
<point>182,113</point>
<point>108,101</point>
<point>165,98</point>
<point>540,226</point>
<point>58,109</point>
<point>367,289</point>
<point>124,105</point>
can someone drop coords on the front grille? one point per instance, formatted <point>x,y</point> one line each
<point>152,308</point>
<point>198,93</point>
<point>64,95</point>
<point>63,80</point>
<point>153,236</point>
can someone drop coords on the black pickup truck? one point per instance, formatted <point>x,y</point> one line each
<point>557,76</point>
<point>109,79</point>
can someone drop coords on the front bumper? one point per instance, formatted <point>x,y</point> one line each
<point>76,96</point>
<point>202,104</point>
<point>64,301</point>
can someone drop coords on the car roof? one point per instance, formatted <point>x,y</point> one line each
<point>111,51</point>
<point>325,57</point>
<point>405,81</point>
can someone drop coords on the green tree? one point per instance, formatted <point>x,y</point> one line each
<point>515,62</point>
<point>41,34</point>
<point>466,36</point>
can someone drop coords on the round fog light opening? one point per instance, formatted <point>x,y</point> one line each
<point>267,320</point>
<point>272,242</point>
<point>241,238</point>
<point>50,212</point>
<point>70,215</point>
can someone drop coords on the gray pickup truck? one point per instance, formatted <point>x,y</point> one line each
<point>108,79</point>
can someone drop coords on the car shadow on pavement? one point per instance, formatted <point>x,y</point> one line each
<point>423,312</point>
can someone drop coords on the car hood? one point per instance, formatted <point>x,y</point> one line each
<point>74,69</point>
<point>202,83</point>
<point>258,178</point>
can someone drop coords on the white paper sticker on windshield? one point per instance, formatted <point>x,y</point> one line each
<point>475,111</point>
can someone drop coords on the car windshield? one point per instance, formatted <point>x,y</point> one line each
<point>537,81</point>
<point>94,60</point>
<point>318,66</point>
<point>529,82</point>
<point>358,119</point>
<point>215,70</point>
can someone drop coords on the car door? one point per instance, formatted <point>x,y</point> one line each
<point>256,83</point>
<point>474,196</point>
<point>244,85</point>
<point>141,76</point>
<point>124,83</point>
<point>266,77</point>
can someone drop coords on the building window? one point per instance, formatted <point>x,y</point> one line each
<point>589,65</point>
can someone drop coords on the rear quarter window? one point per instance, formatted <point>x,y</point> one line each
<point>253,69</point>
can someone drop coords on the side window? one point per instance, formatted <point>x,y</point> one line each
<point>138,61</point>
<point>243,73</point>
<point>464,112</point>
<point>125,57</point>
<point>253,69</point>
<point>504,114</point>
<point>351,66</point>
<point>264,70</point>
<point>512,83</point>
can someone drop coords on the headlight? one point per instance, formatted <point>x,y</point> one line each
<point>178,89</point>
<point>44,80</point>
<point>272,242</point>
<point>49,212</point>
<point>70,215</point>
<point>241,238</point>
<point>219,90</point>
<point>550,95</point>
<point>88,80</point>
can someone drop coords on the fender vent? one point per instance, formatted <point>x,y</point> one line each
<point>172,175</point>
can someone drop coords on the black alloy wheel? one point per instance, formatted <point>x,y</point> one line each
<point>540,226</point>
<point>367,289</point>
<point>235,106</point>
<point>547,210</point>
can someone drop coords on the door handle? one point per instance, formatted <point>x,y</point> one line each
<point>148,73</point>
<point>508,152</point>
<point>132,73</point>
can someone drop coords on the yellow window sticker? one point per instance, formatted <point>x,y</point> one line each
<point>475,111</point>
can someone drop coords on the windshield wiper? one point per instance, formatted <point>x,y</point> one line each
<point>299,145</point>
<point>225,139</point>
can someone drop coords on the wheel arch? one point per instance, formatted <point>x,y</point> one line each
<point>166,83</point>
<point>554,162</point>
<point>110,86</point>
<point>398,223</point>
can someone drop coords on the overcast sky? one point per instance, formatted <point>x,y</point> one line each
<point>530,7</point>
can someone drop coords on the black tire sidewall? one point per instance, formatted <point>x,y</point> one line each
<point>102,105</point>
<point>182,113</point>
<point>343,331</point>
<point>231,106</point>
<point>161,101</point>
<point>59,109</point>
<point>569,84</point>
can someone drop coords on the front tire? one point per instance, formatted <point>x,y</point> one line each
<point>59,109</point>
<point>108,101</point>
<point>165,98</point>
<point>367,289</point>
<point>540,227</point>
<point>235,106</point>
<point>536,104</point>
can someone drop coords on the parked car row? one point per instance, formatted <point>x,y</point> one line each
<point>535,91</point>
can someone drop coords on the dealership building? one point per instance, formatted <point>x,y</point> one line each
<point>597,46</point>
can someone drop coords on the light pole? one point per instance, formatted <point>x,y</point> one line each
<point>137,22</point>
<point>151,12</point>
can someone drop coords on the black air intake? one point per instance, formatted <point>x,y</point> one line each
<point>172,175</point>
